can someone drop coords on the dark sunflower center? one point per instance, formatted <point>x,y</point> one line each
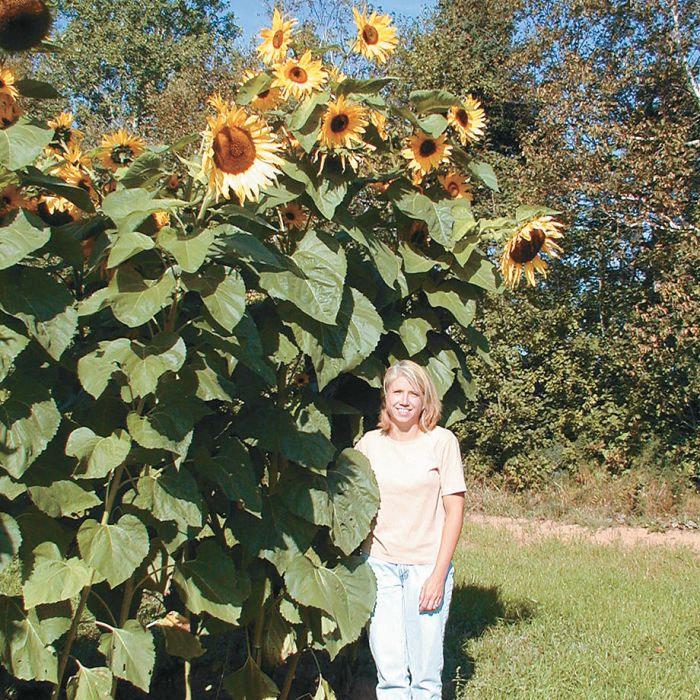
<point>63,133</point>
<point>23,24</point>
<point>290,216</point>
<point>463,117</point>
<point>55,218</point>
<point>298,75</point>
<point>370,35</point>
<point>234,150</point>
<point>339,123</point>
<point>122,155</point>
<point>427,148</point>
<point>524,251</point>
<point>453,189</point>
<point>278,38</point>
<point>262,95</point>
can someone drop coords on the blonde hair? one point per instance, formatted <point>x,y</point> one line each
<point>420,380</point>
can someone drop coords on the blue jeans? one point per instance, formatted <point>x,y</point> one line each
<point>402,640</point>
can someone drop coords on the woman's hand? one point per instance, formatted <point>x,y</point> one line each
<point>431,593</point>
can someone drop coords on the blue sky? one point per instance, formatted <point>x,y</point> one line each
<point>253,16</point>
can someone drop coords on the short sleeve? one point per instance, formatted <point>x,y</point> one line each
<point>451,469</point>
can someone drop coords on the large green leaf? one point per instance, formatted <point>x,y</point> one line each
<point>433,100</point>
<point>325,193</point>
<point>20,238</point>
<point>179,641</point>
<point>129,208</point>
<point>223,293</point>
<point>77,195</point>
<point>310,449</point>
<point>143,170</point>
<point>90,684</point>
<point>116,550</point>
<point>22,143</point>
<point>12,342</point>
<point>10,539</point>
<point>126,245</point>
<point>63,499</point>
<point>130,653</point>
<point>210,583</point>
<point>37,89</point>
<point>252,88</point>
<point>233,245</point>
<point>96,368</point>
<point>318,289</point>
<point>364,87</point>
<point>44,305</point>
<point>134,299</point>
<point>54,578</point>
<point>478,271</point>
<point>343,345</point>
<point>29,419</point>
<point>437,215</point>
<point>414,334</point>
<point>456,297</point>
<point>485,173</point>
<point>188,251</point>
<point>250,683</point>
<point>145,364</point>
<point>346,592</point>
<point>170,495</point>
<point>24,642</point>
<point>97,455</point>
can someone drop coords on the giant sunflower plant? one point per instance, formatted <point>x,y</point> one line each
<point>186,359</point>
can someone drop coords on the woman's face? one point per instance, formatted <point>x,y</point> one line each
<point>404,402</point>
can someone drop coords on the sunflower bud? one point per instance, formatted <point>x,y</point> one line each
<point>23,24</point>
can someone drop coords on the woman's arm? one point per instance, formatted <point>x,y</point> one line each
<point>433,588</point>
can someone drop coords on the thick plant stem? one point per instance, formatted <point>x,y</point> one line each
<point>188,687</point>
<point>291,672</point>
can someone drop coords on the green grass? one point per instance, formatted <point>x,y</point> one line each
<point>550,619</point>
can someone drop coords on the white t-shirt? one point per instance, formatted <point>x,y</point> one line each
<point>412,476</point>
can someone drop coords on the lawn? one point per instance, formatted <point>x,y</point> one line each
<point>550,619</point>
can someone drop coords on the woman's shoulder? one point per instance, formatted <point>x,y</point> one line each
<point>442,435</point>
<point>370,436</point>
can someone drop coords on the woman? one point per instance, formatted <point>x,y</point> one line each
<point>421,488</point>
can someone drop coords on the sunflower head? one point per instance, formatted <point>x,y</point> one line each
<point>525,247</point>
<point>265,99</point>
<point>161,219</point>
<point>456,185</point>
<point>417,233</point>
<point>294,216</point>
<point>301,378</point>
<point>10,110</point>
<point>78,178</point>
<point>299,77</point>
<point>425,152</point>
<point>173,182</point>
<point>335,75</point>
<point>119,149</point>
<point>63,132</point>
<point>239,154</point>
<point>276,40</point>
<point>7,83</point>
<point>468,120</point>
<point>74,156</point>
<point>376,38</point>
<point>343,124</point>
<point>56,211</point>
<point>10,200</point>
<point>218,103</point>
<point>23,24</point>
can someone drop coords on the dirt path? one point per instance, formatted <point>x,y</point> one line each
<point>527,530</point>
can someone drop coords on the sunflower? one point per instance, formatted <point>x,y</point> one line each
<point>265,99</point>
<point>335,75</point>
<point>379,121</point>
<point>78,178</point>
<point>161,219</point>
<point>299,77</point>
<point>417,233</point>
<point>23,24</point>
<point>375,38</point>
<point>523,250</point>
<point>57,211</point>
<point>424,152</point>
<point>456,185</point>
<point>10,200</point>
<point>9,110</point>
<point>218,103</point>
<point>468,120</point>
<point>74,156</point>
<point>173,182</point>
<point>301,378</point>
<point>120,148</point>
<point>343,123</point>
<point>239,154</point>
<point>276,40</point>
<point>63,132</point>
<point>294,216</point>
<point>7,82</point>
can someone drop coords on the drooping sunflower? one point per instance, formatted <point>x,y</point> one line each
<point>78,178</point>
<point>7,82</point>
<point>526,245</point>
<point>456,185</point>
<point>294,216</point>
<point>424,152</point>
<point>299,77</point>
<point>57,211</point>
<point>161,219</point>
<point>10,110</point>
<point>265,99</point>
<point>63,132</point>
<point>468,120</point>
<point>276,40</point>
<point>343,124</point>
<point>120,148</point>
<point>23,24</point>
<point>10,200</point>
<point>379,121</point>
<point>239,154</point>
<point>376,39</point>
<point>74,156</point>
